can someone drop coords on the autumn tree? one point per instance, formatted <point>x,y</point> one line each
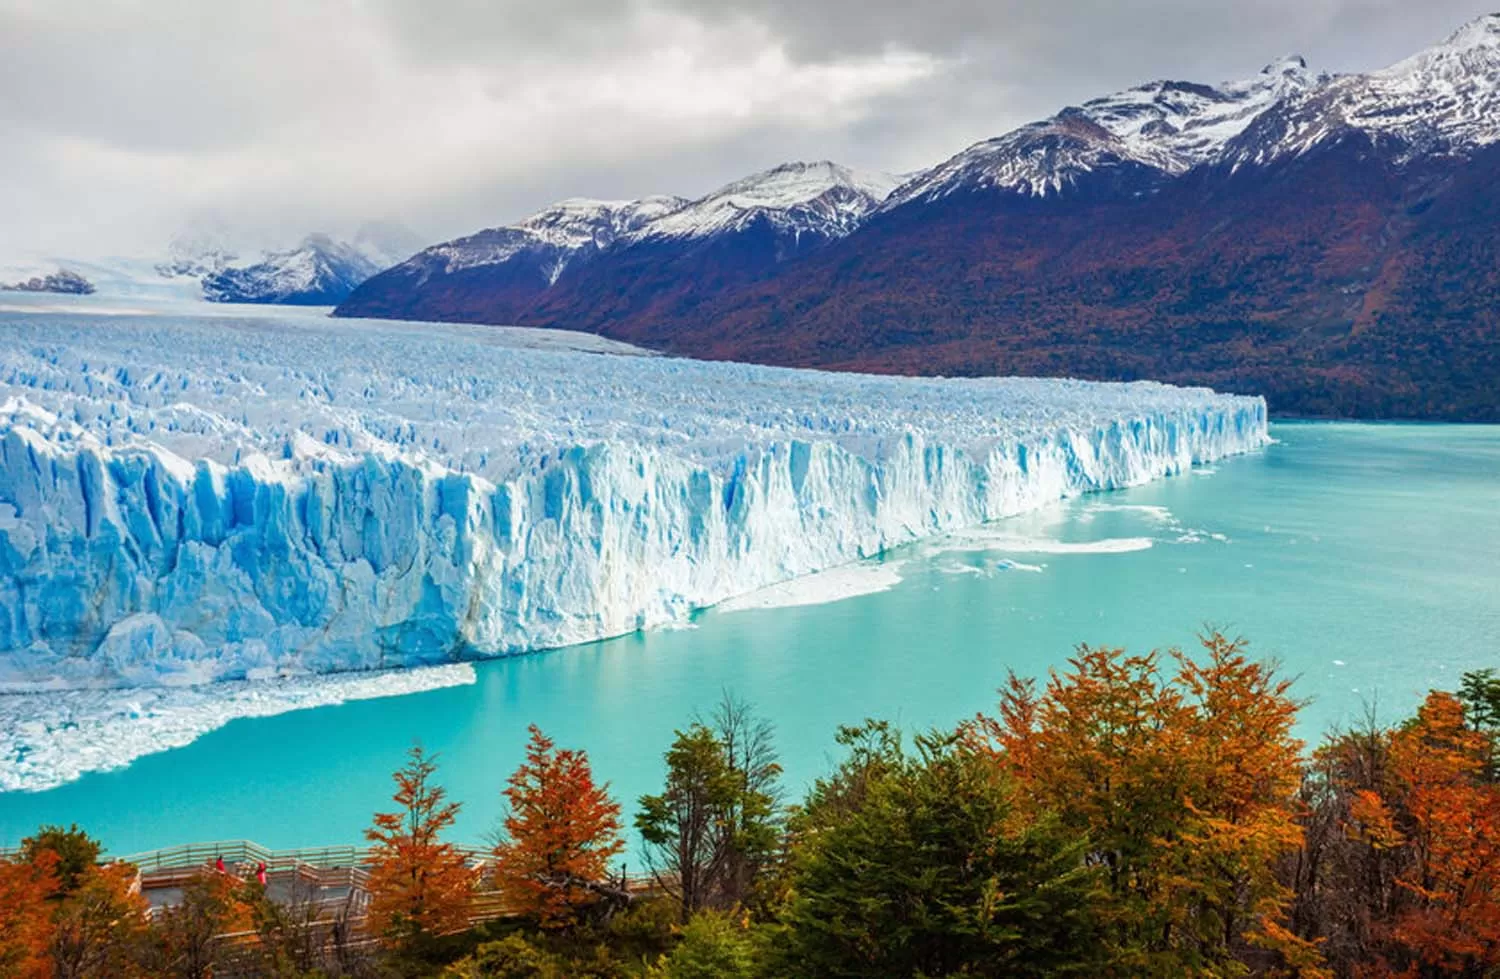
<point>420,887</point>
<point>92,920</point>
<point>1342,886</point>
<point>559,836</point>
<point>26,887</point>
<point>1440,809</point>
<point>1184,775</point>
<point>100,925</point>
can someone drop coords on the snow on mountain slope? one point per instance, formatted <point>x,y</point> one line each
<point>188,500</point>
<point>798,198</point>
<point>551,239</point>
<point>1167,126</point>
<point>819,198</point>
<point>318,272</point>
<point>1443,99</point>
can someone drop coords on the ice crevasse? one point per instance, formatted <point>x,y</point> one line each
<point>185,501</point>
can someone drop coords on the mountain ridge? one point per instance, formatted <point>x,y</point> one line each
<point>1307,236</point>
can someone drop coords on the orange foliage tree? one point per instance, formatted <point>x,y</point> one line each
<point>1443,813</point>
<point>100,928</point>
<point>26,916</point>
<point>559,836</point>
<point>1183,775</point>
<point>420,887</point>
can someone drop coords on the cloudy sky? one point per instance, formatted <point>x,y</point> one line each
<point>123,123</point>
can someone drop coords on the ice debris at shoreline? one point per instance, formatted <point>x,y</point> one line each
<point>48,739</point>
<point>185,500</point>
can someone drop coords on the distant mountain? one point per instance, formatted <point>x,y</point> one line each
<point>592,260</point>
<point>1328,241</point>
<point>63,281</point>
<point>319,271</point>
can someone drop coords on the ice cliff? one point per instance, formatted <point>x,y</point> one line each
<point>186,500</point>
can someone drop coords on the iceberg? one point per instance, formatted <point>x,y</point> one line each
<point>186,500</point>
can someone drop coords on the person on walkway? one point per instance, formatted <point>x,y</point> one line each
<point>219,864</point>
<point>260,873</point>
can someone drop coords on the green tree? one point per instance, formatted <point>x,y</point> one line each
<point>874,751</point>
<point>512,957</point>
<point>77,853</point>
<point>715,827</point>
<point>686,827</point>
<point>1479,691</point>
<point>753,814</point>
<point>715,945</point>
<point>922,866</point>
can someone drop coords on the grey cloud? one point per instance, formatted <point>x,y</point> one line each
<point>121,119</point>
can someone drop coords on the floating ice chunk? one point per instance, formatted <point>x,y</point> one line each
<point>997,539</point>
<point>47,739</point>
<point>821,588</point>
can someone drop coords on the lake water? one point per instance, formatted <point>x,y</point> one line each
<point>1366,558</point>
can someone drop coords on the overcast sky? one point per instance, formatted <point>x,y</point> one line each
<point>123,123</point>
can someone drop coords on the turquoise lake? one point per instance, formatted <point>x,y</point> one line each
<point>1365,558</point>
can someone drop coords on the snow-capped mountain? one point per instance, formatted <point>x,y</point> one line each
<point>199,250</point>
<point>822,199</point>
<point>318,272</point>
<point>1444,99</point>
<point>507,272</point>
<point>1167,127</point>
<point>1328,240</point>
<point>549,239</point>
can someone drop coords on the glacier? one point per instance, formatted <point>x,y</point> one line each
<point>186,500</point>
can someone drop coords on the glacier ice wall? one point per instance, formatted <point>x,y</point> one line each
<point>185,500</point>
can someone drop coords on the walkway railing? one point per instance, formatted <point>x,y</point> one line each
<point>342,871</point>
<point>248,851</point>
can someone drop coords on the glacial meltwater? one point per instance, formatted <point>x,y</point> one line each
<point>1365,558</point>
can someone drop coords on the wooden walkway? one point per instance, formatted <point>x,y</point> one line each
<point>326,887</point>
<point>335,878</point>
